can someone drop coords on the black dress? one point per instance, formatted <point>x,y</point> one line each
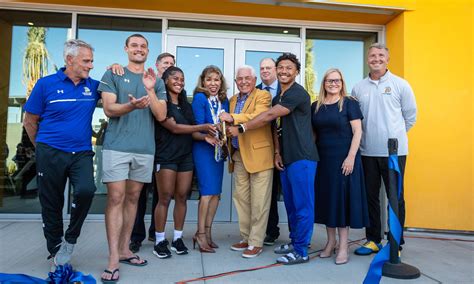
<point>340,200</point>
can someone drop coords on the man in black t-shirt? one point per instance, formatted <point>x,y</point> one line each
<point>295,156</point>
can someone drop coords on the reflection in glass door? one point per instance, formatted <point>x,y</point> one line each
<point>193,54</point>
<point>30,41</point>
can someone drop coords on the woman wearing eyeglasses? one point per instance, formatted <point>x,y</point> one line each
<point>340,190</point>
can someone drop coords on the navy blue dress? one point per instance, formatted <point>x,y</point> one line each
<point>209,172</point>
<point>340,200</point>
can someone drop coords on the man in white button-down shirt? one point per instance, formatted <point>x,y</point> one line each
<point>389,108</point>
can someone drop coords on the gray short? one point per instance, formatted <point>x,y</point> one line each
<point>118,166</point>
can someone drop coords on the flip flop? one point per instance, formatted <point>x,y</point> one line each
<point>112,279</point>
<point>129,261</point>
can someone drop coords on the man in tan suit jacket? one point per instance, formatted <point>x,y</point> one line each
<point>252,162</point>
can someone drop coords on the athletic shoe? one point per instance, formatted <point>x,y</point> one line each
<point>368,248</point>
<point>284,249</point>
<point>161,249</point>
<point>269,240</point>
<point>240,246</point>
<point>178,246</point>
<point>252,252</point>
<point>134,246</point>
<point>292,258</point>
<point>64,253</point>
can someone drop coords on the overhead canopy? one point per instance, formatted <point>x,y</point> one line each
<point>323,11</point>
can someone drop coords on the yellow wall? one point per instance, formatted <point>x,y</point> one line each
<point>432,48</point>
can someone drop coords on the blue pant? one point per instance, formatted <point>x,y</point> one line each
<point>297,181</point>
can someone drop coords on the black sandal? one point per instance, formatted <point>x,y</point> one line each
<point>130,262</point>
<point>112,279</point>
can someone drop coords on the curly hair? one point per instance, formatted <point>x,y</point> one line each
<point>291,57</point>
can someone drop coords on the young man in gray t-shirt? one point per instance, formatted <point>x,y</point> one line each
<point>132,102</point>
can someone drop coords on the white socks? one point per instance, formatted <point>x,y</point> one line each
<point>160,236</point>
<point>177,235</point>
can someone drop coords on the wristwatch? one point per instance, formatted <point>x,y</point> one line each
<point>241,128</point>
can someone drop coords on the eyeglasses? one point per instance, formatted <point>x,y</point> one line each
<point>333,81</point>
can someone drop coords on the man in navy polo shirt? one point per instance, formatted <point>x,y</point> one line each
<point>58,121</point>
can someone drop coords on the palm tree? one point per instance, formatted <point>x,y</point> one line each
<point>35,60</point>
<point>310,74</point>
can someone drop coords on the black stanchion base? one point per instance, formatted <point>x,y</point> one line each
<point>400,271</point>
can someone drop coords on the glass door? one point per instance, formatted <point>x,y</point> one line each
<point>251,52</point>
<point>193,54</point>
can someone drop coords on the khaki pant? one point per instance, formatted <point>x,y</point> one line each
<point>251,197</point>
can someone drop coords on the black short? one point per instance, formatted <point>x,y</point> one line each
<point>184,165</point>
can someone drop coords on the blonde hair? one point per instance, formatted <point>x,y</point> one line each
<point>322,92</point>
<point>222,93</point>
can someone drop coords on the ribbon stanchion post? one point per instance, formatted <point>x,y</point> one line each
<point>387,262</point>
<point>394,268</point>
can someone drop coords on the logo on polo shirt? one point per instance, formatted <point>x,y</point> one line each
<point>126,80</point>
<point>387,91</point>
<point>87,92</point>
<point>60,91</point>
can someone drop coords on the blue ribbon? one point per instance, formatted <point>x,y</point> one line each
<point>62,275</point>
<point>375,270</point>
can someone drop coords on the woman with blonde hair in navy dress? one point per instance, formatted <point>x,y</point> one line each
<point>340,199</point>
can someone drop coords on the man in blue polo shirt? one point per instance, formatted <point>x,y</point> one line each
<point>58,121</point>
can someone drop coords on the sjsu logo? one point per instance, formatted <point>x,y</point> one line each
<point>87,92</point>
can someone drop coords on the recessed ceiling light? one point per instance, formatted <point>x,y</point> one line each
<point>30,24</point>
<point>285,31</point>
